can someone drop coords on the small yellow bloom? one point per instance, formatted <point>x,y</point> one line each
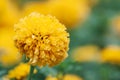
<point>20,72</point>
<point>42,38</point>
<point>116,23</point>
<point>71,77</point>
<point>51,78</point>
<point>86,53</point>
<point>68,12</point>
<point>65,77</point>
<point>111,54</point>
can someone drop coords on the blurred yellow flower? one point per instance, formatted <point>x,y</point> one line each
<point>5,78</point>
<point>65,77</point>
<point>41,7</point>
<point>111,54</point>
<point>20,72</point>
<point>92,2</point>
<point>42,38</point>
<point>8,53</point>
<point>86,53</point>
<point>71,77</point>
<point>69,12</point>
<point>9,14</point>
<point>116,23</point>
<point>51,78</point>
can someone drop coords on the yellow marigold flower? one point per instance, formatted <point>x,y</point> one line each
<point>86,53</point>
<point>8,52</point>
<point>20,72</point>
<point>69,12</point>
<point>42,38</point>
<point>71,77</point>
<point>111,54</point>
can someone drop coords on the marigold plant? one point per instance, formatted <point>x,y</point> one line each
<point>42,39</point>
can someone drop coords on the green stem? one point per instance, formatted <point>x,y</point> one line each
<point>24,59</point>
<point>31,72</point>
